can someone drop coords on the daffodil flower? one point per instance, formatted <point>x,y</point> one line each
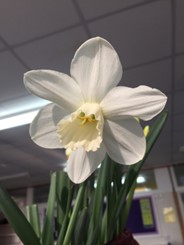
<point>90,115</point>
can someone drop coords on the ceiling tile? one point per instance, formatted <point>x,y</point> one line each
<point>177,158</point>
<point>11,137</point>
<point>179,102</point>
<point>1,46</point>
<point>179,72</point>
<point>169,103</point>
<point>7,169</point>
<point>140,35</point>
<point>29,159</point>
<point>179,26</point>
<point>179,123</point>
<point>160,154</point>
<point>157,75</point>
<point>17,182</point>
<point>178,142</point>
<point>54,52</point>
<point>167,127</point>
<point>11,77</point>
<point>24,20</point>
<point>23,158</point>
<point>95,8</point>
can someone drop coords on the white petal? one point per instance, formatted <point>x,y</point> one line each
<point>96,68</point>
<point>124,141</point>
<point>54,86</point>
<point>82,164</point>
<point>143,102</point>
<point>43,128</point>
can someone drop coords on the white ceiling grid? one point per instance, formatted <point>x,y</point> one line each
<point>149,38</point>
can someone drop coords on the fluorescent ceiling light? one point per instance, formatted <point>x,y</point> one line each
<point>140,179</point>
<point>17,120</point>
<point>123,180</point>
<point>21,105</point>
<point>20,111</point>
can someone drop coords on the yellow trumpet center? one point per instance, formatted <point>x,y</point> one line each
<point>84,127</point>
<point>86,119</point>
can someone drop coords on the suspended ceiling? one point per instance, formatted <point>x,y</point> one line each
<point>148,36</point>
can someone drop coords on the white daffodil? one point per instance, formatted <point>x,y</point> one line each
<point>89,114</point>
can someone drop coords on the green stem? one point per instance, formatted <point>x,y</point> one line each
<point>73,219</point>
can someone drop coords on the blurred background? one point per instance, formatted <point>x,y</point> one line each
<point>149,38</point>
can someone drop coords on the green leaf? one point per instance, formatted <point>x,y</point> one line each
<point>47,235</point>
<point>117,180</point>
<point>154,133</point>
<point>63,229</point>
<point>134,170</point>
<point>33,218</point>
<point>98,199</point>
<point>125,213</point>
<point>81,227</point>
<point>73,219</point>
<point>104,225</point>
<point>63,187</point>
<point>65,192</point>
<point>93,236</point>
<point>17,219</point>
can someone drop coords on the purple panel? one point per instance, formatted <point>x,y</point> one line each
<point>135,221</point>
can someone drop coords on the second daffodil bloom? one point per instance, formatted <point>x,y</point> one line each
<point>90,115</point>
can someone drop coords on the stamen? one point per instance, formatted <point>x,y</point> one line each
<point>82,114</point>
<point>85,119</point>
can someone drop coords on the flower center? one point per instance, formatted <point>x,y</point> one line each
<point>89,136</point>
<point>86,119</point>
